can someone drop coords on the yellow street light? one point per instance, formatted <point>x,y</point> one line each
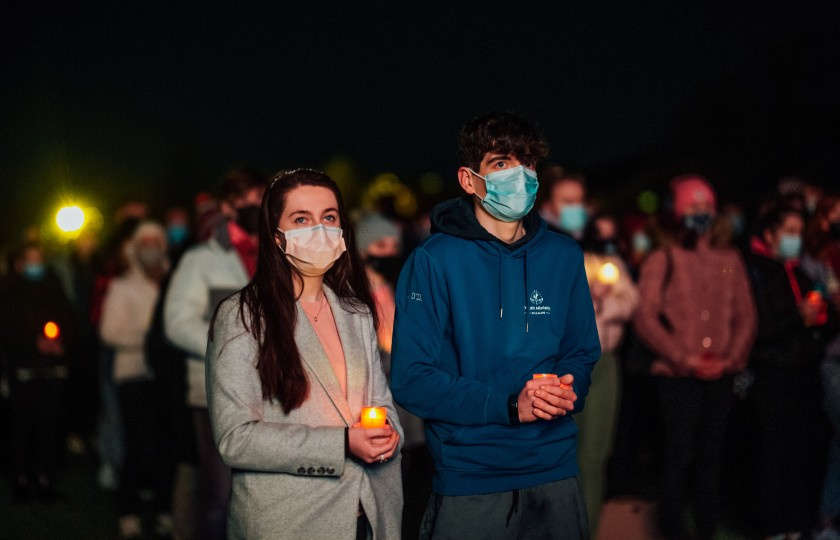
<point>70,218</point>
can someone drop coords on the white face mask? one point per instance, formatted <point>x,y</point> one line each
<point>313,250</point>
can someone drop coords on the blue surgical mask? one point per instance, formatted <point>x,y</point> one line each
<point>641,242</point>
<point>572,218</point>
<point>177,234</point>
<point>34,271</point>
<point>699,223</point>
<point>510,192</point>
<point>789,246</point>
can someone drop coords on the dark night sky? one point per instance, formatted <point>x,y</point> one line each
<point>99,102</point>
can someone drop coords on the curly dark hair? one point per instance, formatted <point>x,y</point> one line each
<point>502,132</point>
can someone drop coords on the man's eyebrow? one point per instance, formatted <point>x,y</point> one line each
<point>499,157</point>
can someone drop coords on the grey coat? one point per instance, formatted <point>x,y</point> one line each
<point>291,478</point>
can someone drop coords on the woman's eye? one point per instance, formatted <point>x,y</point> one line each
<point>331,219</point>
<point>300,220</point>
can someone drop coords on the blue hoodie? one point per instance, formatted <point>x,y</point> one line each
<point>463,343</point>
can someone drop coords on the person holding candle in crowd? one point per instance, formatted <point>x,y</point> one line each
<point>37,331</point>
<point>487,301</point>
<point>697,316</point>
<point>292,363</point>
<point>615,297</point>
<point>785,399</point>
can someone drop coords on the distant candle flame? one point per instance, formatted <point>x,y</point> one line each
<point>51,330</point>
<point>608,274</point>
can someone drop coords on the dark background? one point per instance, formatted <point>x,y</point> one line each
<point>103,101</point>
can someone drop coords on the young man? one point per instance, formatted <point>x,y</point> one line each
<point>486,302</point>
<point>207,274</point>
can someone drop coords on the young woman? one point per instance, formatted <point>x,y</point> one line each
<point>291,361</point>
<point>785,399</point>
<point>697,316</point>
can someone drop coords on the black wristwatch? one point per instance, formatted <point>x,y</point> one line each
<point>513,409</point>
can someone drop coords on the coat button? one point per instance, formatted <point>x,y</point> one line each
<point>330,471</point>
<point>321,470</point>
<point>310,470</point>
<point>301,470</point>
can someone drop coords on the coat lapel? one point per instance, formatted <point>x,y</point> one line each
<point>312,354</point>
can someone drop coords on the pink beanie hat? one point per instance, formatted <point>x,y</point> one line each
<point>689,189</point>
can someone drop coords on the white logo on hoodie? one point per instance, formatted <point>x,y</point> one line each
<point>537,307</point>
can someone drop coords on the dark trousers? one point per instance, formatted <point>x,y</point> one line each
<point>553,510</point>
<point>214,481</point>
<point>792,442</point>
<point>148,464</point>
<point>694,416</point>
<point>36,410</point>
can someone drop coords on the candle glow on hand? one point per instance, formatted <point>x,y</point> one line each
<point>551,376</point>
<point>373,417</point>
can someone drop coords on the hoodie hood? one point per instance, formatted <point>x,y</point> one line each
<point>456,217</point>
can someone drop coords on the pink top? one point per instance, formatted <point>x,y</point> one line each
<point>708,302</point>
<point>321,317</point>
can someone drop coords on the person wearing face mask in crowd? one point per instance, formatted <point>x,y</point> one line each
<point>614,298</point>
<point>207,274</point>
<point>697,316</point>
<point>379,242</point>
<point>178,232</point>
<point>291,362</point>
<point>564,206</point>
<point>487,301</point>
<point>37,332</point>
<point>785,399</point>
<point>126,315</point>
<point>822,243</point>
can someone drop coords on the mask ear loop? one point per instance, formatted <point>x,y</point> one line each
<point>485,184</point>
<point>279,239</point>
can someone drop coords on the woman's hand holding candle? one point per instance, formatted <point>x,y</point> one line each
<point>372,445</point>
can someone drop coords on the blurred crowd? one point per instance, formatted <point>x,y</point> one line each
<point>717,394</point>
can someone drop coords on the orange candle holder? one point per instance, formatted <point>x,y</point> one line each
<point>374,417</point>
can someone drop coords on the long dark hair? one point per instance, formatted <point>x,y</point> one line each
<point>269,299</point>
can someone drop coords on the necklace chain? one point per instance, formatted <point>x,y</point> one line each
<point>323,303</point>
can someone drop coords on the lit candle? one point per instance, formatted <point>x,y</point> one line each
<point>51,330</point>
<point>373,417</point>
<point>608,274</point>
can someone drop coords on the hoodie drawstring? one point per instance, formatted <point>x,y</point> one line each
<point>525,284</point>
<point>501,310</point>
<point>525,272</point>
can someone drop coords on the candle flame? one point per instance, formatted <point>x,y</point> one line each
<point>51,330</point>
<point>608,273</point>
